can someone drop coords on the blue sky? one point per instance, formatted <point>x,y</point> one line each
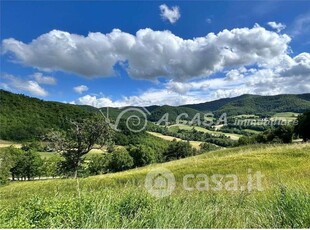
<point>142,53</point>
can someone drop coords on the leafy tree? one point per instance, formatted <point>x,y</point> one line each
<point>206,147</point>
<point>51,166</point>
<point>246,140</point>
<point>7,161</point>
<point>120,160</point>
<point>303,127</point>
<point>281,134</point>
<point>179,149</point>
<point>284,133</point>
<point>142,155</point>
<point>80,138</point>
<point>99,163</point>
<point>33,145</point>
<point>28,165</point>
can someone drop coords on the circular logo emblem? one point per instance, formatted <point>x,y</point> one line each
<point>160,182</point>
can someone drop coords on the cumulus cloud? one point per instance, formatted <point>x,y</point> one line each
<point>179,87</point>
<point>41,79</point>
<point>150,97</point>
<point>80,89</point>
<point>18,84</point>
<point>300,66</point>
<point>149,54</point>
<point>171,14</point>
<point>277,26</point>
<point>285,77</point>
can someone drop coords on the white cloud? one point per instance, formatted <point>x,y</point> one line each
<point>277,26</point>
<point>291,76</point>
<point>150,54</point>
<point>300,66</point>
<point>179,87</point>
<point>171,14</point>
<point>150,97</point>
<point>29,86</point>
<point>80,89</point>
<point>41,79</point>
<point>301,25</point>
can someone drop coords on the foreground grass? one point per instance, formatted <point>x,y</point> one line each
<point>120,200</point>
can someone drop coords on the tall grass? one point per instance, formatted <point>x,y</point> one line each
<point>282,208</point>
<point>120,200</point>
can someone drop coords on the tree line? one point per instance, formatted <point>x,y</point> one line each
<point>136,150</point>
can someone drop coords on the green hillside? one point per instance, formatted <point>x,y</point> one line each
<point>159,112</point>
<point>24,118</point>
<point>254,104</point>
<point>120,200</point>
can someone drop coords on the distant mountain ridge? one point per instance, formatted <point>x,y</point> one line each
<point>256,104</point>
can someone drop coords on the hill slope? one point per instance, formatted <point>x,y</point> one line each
<point>254,104</point>
<point>120,200</point>
<point>23,117</point>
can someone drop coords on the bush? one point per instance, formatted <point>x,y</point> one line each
<point>246,140</point>
<point>206,147</point>
<point>282,134</point>
<point>120,160</point>
<point>303,127</point>
<point>28,165</point>
<point>142,155</point>
<point>178,150</point>
<point>51,166</point>
<point>99,163</point>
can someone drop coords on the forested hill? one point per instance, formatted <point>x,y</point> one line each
<point>255,104</point>
<point>23,117</point>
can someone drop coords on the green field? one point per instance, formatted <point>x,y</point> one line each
<point>4,144</point>
<point>248,116</point>
<point>120,200</point>
<point>287,116</point>
<point>174,128</point>
<point>195,144</point>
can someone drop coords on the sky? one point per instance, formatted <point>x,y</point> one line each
<point>123,53</point>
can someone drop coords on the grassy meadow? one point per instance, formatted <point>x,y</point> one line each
<point>120,200</point>
<point>175,128</point>
<point>195,144</point>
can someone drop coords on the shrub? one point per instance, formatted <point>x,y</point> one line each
<point>120,160</point>
<point>99,163</point>
<point>179,149</point>
<point>206,147</point>
<point>28,165</point>
<point>303,127</point>
<point>142,155</point>
<point>51,166</point>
